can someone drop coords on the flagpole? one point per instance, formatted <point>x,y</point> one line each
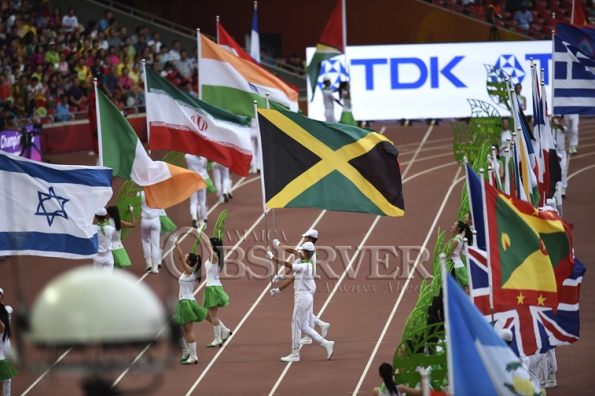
<point>490,174</point>
<point>274,222</point>
<point>264,206</point>
<point>572,15</point>
<point>466,249</point>
<point>146,104</point>
<point>553,74</point>
<point>487,234</point>
<point>99,140</point>
<point>217,27</point>
<point>506,169</point>
<point>199,47</point>
<point>344,20</point>
<point>451,379</point>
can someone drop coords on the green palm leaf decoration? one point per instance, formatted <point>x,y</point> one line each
<point>175,158</point>
<point>197,242</point>
<point>496,86</point>
<point>467,142</point>
<point>129,195</point>
<point>219,231</point>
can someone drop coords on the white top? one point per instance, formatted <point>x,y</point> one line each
<point>304,276</point>
<point>147,213</point>
<point>456,253</point>
<point>346,102</point>
<point>197,164</point>
<point>116,236</point>
<point>187,286</point>
<point>9,310</point>
<point>104,242</point>
<point>212,271</point>
<point>384,392</point>
<point>505,135</point>
<point>328,98</point>
<point>69,22</point>
<point>560,139</point>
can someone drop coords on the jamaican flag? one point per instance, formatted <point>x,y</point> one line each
<point>528,249</point>
<point>314,164</point>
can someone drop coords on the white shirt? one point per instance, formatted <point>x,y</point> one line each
<point>157,45</point>
<point>116,236</point>
<point>104,242</point>
<point>505,135</point>
<point>456,253</point>
<point>304,276</point>
<point>197,164</point>
<point>69,22</point>
<point>147,213</point>
<point>212,271</point>
<point>186,286</point>
<point>173,55</point>
<point>328,98</point>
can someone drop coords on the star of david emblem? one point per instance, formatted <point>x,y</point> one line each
<point>335,70</point>
<point>512,67</point>
<point>50,205</point>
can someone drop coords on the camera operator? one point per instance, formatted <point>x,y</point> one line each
<point>7,119</point>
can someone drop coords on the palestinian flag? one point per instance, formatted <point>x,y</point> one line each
<point>314,164</point>
<point>233,83</point>
<point>180,122</point>
<point>165,185</point>
<point>525,246</point>
<point>331,43</point>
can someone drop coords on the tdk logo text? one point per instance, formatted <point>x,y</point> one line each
<point>431,71</point>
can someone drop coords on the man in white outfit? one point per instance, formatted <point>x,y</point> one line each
<point>222,182</point>
<point>309,236</point>
<point>571,123</point>
<point>304,287</point>
<point>104,260</point>
<point>255,163</point>
<point>150,231</point>
<point>329,101</point>
<point>559,130</point>
<point>198,199</point>
<point>505,135</point>
<point>6,349</point>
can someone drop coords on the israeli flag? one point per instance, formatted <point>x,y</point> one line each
<point>574,70</point>
<point>48,210</point>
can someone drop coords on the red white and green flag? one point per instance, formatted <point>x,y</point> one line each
<point>181,122</point>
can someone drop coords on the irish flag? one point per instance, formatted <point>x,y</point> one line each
<point>180,122</point>
<point>165,185</point>
<point>233,84</point>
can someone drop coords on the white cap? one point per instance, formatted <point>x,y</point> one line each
<point>307,246</point>
<point>1,291</point>
<point>311,233</point>
<point>326,78</point>
<point>505,334</point>
<point>101,212</point>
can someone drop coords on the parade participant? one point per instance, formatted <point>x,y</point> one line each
<point>389,387</point>
<point>506,134</point>
<point>304,287</point>
<point>187,310</point>
<point>571,122</point>
<point>104,260</point>
<point>460,230</point>
<point>121,259</point>
<point>309,236</point>
<point>347,114</point>
<point>7,371</point>
<point>198,200</point>
<point>329,101</point>
<point>222,182</point>
<point>214,296</point>
<point>559,130</point>
<point>150,230</point>
<point>6,348</point>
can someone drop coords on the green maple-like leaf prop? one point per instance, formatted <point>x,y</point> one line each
<point>175,158</point>
<point>128,195</point>
<point>467,141</point>
<point>481,109</point>
<point>219,230</point>
<point>197,242</point>
<point>496,86</point>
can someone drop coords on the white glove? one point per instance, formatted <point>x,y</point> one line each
<point>276,243</point>
<point>270,255</point>
<point>173,238</point>
<point>130,208</point>
<point>278,278</point>
<point>275,291</point>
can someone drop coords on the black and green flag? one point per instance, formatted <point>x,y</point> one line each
<point>314,164</point>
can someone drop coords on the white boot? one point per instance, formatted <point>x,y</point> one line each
<point>225,332</point>
<point>149,265</point>
<point>6,385</point>
<point>305,340</point>
<point>192,359</point>
<point>551,381</point>
<point>217,341</point>
<point>221,199</point>
<point>155,269</point>
<point>329,346</point>
<point>294,356</point>
<point>185,350</point>
<point>324,326</point>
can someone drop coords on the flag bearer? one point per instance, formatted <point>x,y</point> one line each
<point>571,122</point>
<point>559,131</point>
<point>198,200</point>
<point>329,101</point>
<point>150,231</point>
<point>104,260</point>
<point>222,182</point>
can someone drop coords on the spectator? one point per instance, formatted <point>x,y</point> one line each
<point>128,48</point>
<point>103,44</point>
<point>113,26</point>
<point>524,18</point>
<point>52,56</point>
<point>110,80</point>
<point>147,55</point>
<point>38,72</point>
<point>141,44</point>
<point>114,40</point>
<point>30,26</point>
<point>71,49</point>
<point>83,73</point>
<point>55,20</point>
<point>70,23</point>
<point>38,58</point>
<point>125,63</point>
<point>4,89</point>
<point>18,89</point>
<point>34,86</point>
<point>63,110</point>
<point>114,59</point>
<point>164,54</point>
<point>184,65</point>
<point>174,53</point>
<point>54,87</point>
<point>157,64</point>
<point>187,87</point>
<point>75,93</point>
<point>155,42</point>
<point>135,76</point>
<point>97,69</point>
<point>168,72</point>
<point>8,119</point>
<point>125,87</point>
<point>63,66</point>
<point>104,23</point>
<point>137,33</point>
<point>19,107</point>
<point>92,29</point>
<point>29,105</point>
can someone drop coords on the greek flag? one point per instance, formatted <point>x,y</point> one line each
<point>48,210</point>
<point>574,70</point>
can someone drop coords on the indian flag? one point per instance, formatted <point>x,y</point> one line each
<point>180,122</point>
<point>234,84</point>
<point>165,185</point>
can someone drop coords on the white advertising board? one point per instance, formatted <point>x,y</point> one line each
<point>391,82</point>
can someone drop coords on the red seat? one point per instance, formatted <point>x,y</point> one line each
<point>438,2</point>
<point>51,111</point>
<point>83,107</point>
<point>73,109</point>
<point>46,120</point>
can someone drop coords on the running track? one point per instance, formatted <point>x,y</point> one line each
<point>367,308</point>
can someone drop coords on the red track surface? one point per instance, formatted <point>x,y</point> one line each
<point>359,309</point>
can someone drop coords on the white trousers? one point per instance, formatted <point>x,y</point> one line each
<point>104,261</point>
<point>303,320</point>
<point>221,180</point>
<point>150,231</point>
<point>255,163</point>
<point>552,362</point>
<point>6,385</point>
<point>532,363</point>
<point>563,166</point>
<point>329,114</point>
<point>198,201</point>
<point>571,123</point>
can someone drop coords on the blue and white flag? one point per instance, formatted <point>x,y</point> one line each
<point>479,362</point>
<point>48,210</point>
<point>574,70</point>
<point>255,38</point>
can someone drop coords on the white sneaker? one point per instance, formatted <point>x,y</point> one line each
<point>330,348</point>
<point>221,199</point>
<point>551,381</point>
<point>323,328</point>
<point>305,340</point>
<point>292,357</point>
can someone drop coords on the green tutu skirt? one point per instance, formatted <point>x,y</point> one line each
<point>210,186</point>
<point>461,276</point>
<point>347,118</point>
<point>6,370</point>
<point>167,225</point>
<point>189,311</point>
<point>215,296</point>
<point>121,259</point>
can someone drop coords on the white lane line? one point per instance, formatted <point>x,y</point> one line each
<point>421,144</point>
<point>455,181</point>
<point>580,171</point>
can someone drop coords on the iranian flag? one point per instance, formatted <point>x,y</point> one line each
<point>180,122</point>
<point>165,185</point>
<point>233,83</point>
